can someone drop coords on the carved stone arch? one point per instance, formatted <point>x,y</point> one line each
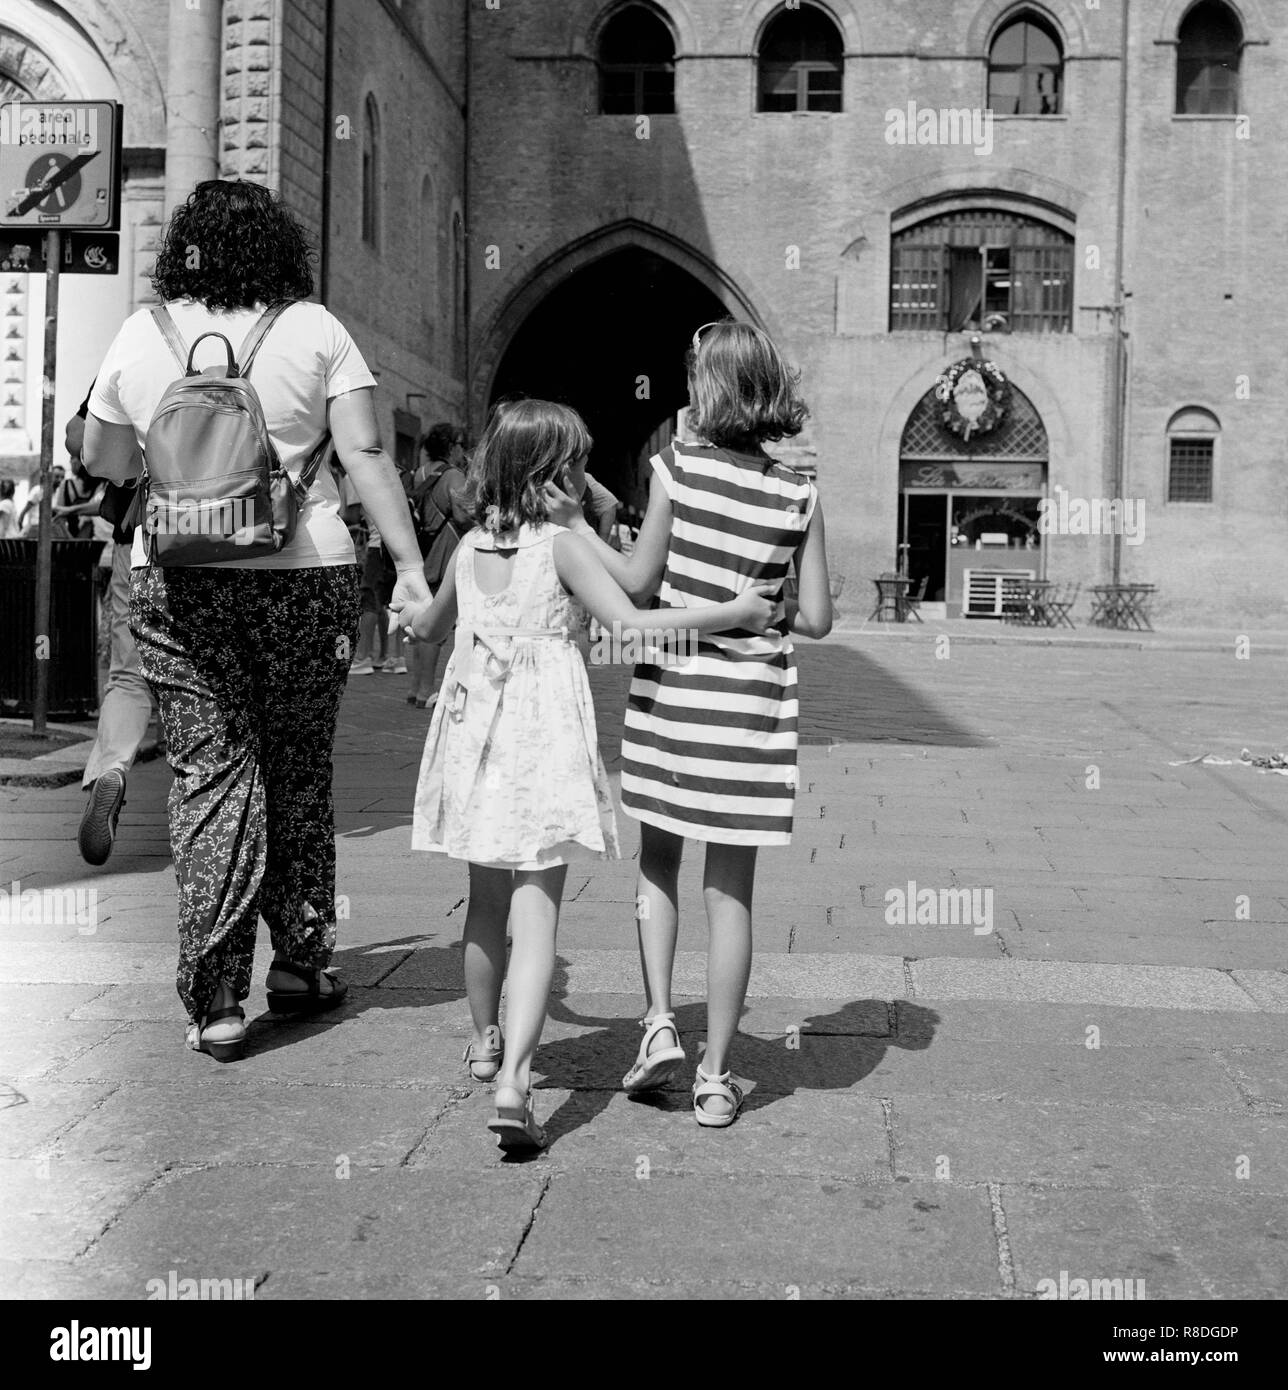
<point>559,259</point>
<point>1012,185</point>
<point>907,397</point>
<point>584,21</point>
<point>99,52</point>
<point>842,13</point>
<point>1247,12</point>
<point>1064,16</point>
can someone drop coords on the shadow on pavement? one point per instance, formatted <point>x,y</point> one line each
<point>591,1066</point>
<point>845,697</point>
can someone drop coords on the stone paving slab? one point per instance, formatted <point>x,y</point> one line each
<point>333,1051</point>
<point>34,1047</point>
<point>34,1113</point>
<point>803,1135</point>
<point>425,1223</point>
<point>1096,1233</point>
<point>1238,1242</point>
<point>1143,986</point>
<point>294,1125</point>
<point>1117,1026</point>
<point>1011,1140</point>
<point>56,1210</point>
<point>728,1229</point>
<point>1268,987</point>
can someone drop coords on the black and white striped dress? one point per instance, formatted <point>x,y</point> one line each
<point>709,746</point>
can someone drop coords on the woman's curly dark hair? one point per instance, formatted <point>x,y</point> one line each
<point>233,244</point>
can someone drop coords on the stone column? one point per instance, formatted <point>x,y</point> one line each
<point>192,97</point>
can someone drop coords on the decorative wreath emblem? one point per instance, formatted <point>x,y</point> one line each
<point>975,397</point>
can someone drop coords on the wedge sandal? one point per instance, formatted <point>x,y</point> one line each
<point>305,1001</point>
<point>709,1088</point>
<point>230,1049</point>
<point>654,1068</point>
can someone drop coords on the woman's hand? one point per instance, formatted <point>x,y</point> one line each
<point>563,508</point>
<point>756,607</point>
<point>409,617</point>
<point>411,587</point>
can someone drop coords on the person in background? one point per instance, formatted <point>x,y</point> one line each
<point>378,649</point>
<point>436,492</point>
<point>127,705</point>
<point>600,509</point>
<point>29,517</point>
<point>8,512</point>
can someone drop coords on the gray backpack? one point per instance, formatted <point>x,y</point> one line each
<point>214,487</point>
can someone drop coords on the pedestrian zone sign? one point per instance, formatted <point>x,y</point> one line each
<point>60,165</point>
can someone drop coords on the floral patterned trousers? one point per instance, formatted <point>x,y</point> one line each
<point>248,667</point>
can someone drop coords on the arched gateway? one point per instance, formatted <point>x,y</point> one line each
<point>604,326</point>
<point>969,506</point>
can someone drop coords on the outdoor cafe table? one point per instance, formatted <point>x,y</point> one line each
<point>1122,606</point>
<point>1030,603</point>
<point>892,590</point>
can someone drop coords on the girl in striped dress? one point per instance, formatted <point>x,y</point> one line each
<point>709,747</point>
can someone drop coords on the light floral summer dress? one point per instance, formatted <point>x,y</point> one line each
<point>512,777</point>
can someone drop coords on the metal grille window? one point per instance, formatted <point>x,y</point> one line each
<point>636,65</point>
<point>1189,472</point>
<point>802,62</point>
<point>982,268</point>
<point>1025,69</point>
<point>1208,49</point>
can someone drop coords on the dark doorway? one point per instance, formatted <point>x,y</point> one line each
<point>927,538</point>
<point>591,340</point>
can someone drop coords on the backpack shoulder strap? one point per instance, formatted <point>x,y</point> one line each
<point>170,332</point>
<point>314,465</point>
<point>259,331</point>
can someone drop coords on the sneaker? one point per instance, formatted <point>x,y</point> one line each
<point>98,824</point>
<point>395,665</point>
<point>361,667</point>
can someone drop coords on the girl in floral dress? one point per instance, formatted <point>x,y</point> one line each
<point>511,779</point>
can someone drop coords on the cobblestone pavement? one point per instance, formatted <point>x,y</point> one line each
<point>1093,1087</point>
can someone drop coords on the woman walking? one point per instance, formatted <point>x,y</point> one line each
<point>248,657</point>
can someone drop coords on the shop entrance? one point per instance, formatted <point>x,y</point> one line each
<point>968,511</point>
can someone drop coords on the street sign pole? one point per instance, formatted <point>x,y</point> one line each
<point>44,543</point>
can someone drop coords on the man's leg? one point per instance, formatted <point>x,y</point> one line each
<point>122,723</point>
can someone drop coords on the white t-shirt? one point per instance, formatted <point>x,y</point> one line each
<point>306,359</point>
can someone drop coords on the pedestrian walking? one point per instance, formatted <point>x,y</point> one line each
<point>8,510</point>
<point>512,780</point>
<point>709,745</point>
<point>248,657</point>
<point>437,498</point>
<point>127,706</point>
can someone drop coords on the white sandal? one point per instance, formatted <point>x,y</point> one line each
<point>709,1087</point>
<point>653,1069</point>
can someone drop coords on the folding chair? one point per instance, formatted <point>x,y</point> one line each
<point>912,602</point>
<point>1058,605</point>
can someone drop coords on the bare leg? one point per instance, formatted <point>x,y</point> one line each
<point>484,938</point>
<point>727,888</point>
<point>657,916</point>
<point>534,912</point>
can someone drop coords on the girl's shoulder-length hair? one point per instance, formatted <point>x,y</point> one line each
<point>526,444</point>
<point>741,390</point>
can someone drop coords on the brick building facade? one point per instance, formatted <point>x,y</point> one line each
<point>1088,196</point>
